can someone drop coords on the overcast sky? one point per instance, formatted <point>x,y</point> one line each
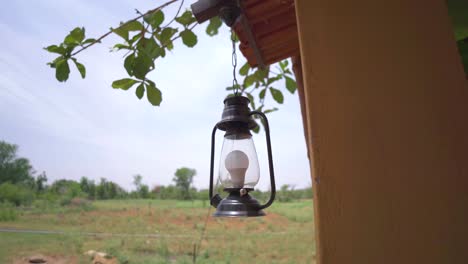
<point>86,128</point>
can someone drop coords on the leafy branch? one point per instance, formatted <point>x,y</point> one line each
<point>98,40</point>
<point>145,40</point>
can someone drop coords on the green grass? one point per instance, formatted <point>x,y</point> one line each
<point>297,211</point>
<point>285,235</point>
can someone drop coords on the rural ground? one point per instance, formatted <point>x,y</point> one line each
<point>159,231</point>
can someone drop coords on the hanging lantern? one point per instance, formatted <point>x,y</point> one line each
<point>238,167</point>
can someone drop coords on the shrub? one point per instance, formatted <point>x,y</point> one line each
<point>43,205</point>
<point>7,212</point>
<point>15,194</point>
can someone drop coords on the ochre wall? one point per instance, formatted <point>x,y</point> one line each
<point>387,108</point>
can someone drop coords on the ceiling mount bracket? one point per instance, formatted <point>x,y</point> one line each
<point>230,11</point>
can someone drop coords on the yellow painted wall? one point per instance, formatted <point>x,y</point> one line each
<point>387,107</point>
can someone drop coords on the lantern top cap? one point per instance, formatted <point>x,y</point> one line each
<point>237,100</point>
<point>236,114</point>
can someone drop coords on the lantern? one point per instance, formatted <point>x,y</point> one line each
<point>238,167</point>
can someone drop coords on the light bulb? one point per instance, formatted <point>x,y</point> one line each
<point>237,163</point>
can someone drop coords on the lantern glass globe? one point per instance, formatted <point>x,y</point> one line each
<point>238,166</point>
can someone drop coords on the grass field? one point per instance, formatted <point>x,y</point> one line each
<point>155,231</point>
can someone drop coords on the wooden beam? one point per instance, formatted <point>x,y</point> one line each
<point>387,109</point>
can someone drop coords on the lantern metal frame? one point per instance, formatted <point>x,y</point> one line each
<point>237,116</point>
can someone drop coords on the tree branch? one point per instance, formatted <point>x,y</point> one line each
<point>129,21</point>
<point>178,11</point>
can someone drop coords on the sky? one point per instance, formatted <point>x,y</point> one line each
<point>83,127</point>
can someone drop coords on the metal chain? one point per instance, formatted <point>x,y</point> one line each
<point>235,84</point>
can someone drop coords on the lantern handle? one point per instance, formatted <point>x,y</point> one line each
<point>216,199</point>
<point>270,159</point>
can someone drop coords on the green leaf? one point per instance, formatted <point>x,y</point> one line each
<point>284,64</point>
<point>291,84</point>
<point>273,79</point>
<point>256,129</point>
<point>56,49</point>
<point>150,82</point>
<point>62,70</point>
<point>89,41</point>
<point>81,68</point>
<point>153,94</point>
<point>458,12</point>
<point>124,28</point>
<point>150,47</point>
<point>155,19</point>
<point>235,37</point>
<point>163,51</point>
<point>287,71</point>
<point>262,74</point>
<point>249,80</point>
<point>134,39</point>
<point>277,95</point>
<point>244,70</point>
<point>213,27</point>
<point>463,50</point>
<point>124,84</point>
<point>230,88</point>
<point>120,46</point>
<point>133,26</point>
<point>142,65</point>
<point>169,46</point>
<point>189,38</point>
<point>166,35</point>
<point>186,18</point>
<point>121,32</point>
<point>140,91</point>
<point>129,63</point>
<point>78,34</point>
<point>270,110</point>
<point>252,100</point>
<point>75,37</point>
<point>261,95</point>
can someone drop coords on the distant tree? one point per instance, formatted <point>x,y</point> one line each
<point>142,190</point>
<point>101,190</point>
<point>89,187</point>
<point>183,179</point>
<point>137,181</point>
<point>168,192</point>
<point>285,194</point>
<point>69,188</point>
<point>41,181</point>
<point>109,190</point>
<point>12,168</point>
<point>84,184</point>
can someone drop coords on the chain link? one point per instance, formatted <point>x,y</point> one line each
<point>235,84</point>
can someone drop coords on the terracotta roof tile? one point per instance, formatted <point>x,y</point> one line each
<point>273,24</point>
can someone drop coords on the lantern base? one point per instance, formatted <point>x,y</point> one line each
<point>236,205</point>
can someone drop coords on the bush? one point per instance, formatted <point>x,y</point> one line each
<point>7,212</point>
<point>15,194</point>
<point>43,206</point>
